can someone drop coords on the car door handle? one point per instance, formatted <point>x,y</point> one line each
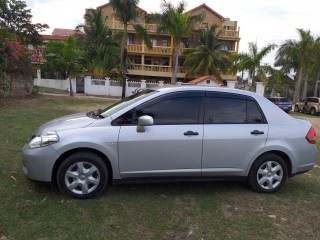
<point>191,133</point>
<point>257,132</point>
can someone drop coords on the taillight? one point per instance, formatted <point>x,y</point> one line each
<point>311,136</point>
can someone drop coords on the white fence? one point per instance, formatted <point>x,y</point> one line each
<point>107,87</point>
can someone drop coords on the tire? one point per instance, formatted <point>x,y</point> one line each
<point>313,111</point>
<point>268,173</point>
<point>296,108</point>
<point>82,175</point>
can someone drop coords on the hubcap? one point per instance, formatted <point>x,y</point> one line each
<point>82,178</point>
<point>270,175</point>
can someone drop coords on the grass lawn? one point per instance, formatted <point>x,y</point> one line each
<point>206,210</point>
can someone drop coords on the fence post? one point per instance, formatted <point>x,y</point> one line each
<point>260,88</point>
<point>231,84</point>
<point>143,84</point>
<point>161,83</point>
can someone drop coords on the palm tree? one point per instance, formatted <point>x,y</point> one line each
<point>252,62</point>
<point>315,65</point>
<point>64,57</point>
<point>178,24</point>
<point>207,58</point>
<point>100,52</point>
<point>126,11</point>
<point>296,53</point>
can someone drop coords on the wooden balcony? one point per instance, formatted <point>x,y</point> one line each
<point>156,50</point>
<point>119,26</point>
<point>153,70</point>
<point>153,28</point>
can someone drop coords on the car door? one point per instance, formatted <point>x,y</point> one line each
<point>172,146</point>
<point>235,130</point>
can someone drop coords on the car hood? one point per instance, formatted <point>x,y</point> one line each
<point>78,120</point>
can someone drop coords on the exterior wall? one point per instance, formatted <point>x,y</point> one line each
<point>210,18</point>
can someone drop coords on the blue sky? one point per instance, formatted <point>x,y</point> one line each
<point>271,21</point>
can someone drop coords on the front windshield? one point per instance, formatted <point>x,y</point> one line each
<point>126,102</point>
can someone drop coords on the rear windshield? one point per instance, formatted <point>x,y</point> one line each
<point>284,100</point>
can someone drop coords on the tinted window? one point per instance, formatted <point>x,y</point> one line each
<point>181,110</point>
<point>232,110</point>
<point>253,111</point>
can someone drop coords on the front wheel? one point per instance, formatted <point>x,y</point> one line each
<point>313,111</point>
<point>296,108</point>
<point>82,175</point>
<point>268,173</point>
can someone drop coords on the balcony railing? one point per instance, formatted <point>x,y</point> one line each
<point>153,28</point>
<point>135,48</point>
<point>119,25</point>
<point>152,68</point>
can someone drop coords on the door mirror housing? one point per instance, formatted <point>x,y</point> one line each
<point>144,121</point>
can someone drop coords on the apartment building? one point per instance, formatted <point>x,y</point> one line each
<point>156,64</point>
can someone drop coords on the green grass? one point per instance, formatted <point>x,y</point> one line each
<point>206,210</point>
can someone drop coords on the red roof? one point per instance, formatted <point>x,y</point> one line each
<point>52,37</point>
<point>207,77</point>
<point>63,32</point>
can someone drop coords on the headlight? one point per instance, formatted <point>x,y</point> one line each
<point>44,140</point>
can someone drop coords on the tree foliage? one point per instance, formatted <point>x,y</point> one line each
<point>175,21</point>
<point>127,11</point>
<point>99,50</point>
<point>64,56</point>
<point>15,16</point>
<point>207,58</point>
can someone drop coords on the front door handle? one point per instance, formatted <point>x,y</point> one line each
<point>191,133</point>
<point>257,132</point>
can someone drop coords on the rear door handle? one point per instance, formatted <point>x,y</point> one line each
<point>191,133</point>
<point>257,132</point>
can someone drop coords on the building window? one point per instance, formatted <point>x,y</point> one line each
<point>130,40</point>
<point>154,42</point>
<point>184,44</point>
<point>224,47</point>
<point>205,26</point>
<point>147,61</point>
<point>165,43</point>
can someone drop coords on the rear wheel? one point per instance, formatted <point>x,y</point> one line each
<point>313,111</point>
<point>268,173</point>
<point>296,108</point>
<point>82,175</point>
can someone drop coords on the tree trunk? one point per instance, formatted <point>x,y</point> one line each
<point>175,66</point>
<point>124,61</point>
<point>71,90</point>
<point>317,84</point>
<point>305,88</point>
<point>297,90</point>
<point>124,73</point>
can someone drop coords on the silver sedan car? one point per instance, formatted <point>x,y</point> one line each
<point>186,132</point>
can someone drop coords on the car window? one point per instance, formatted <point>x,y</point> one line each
<point>224,110</point>
<point>171,109</point>
<point>181,110</point>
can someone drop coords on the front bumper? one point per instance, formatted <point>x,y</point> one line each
<point>38,162</point>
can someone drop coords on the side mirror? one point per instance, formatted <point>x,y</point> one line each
<point>144,121</point>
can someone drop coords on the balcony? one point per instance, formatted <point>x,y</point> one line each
<point>153,28</point>
<point>155,50</point>
<point>119,26</point>
<point>153,70</point>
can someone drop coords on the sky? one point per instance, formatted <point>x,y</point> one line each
<point>261,21</point>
